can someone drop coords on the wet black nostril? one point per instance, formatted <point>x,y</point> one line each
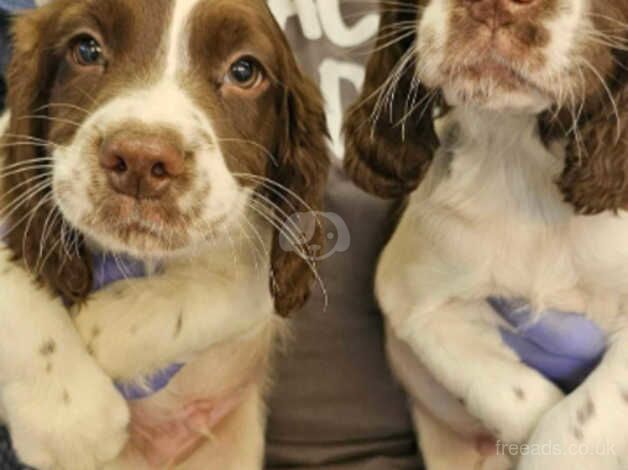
<point>120,166</point>
<point>159,170</point>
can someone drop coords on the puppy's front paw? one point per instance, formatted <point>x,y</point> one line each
<point>574,436</point>
<point>118,326</point>
<point>510,404</point>
<point>70,419</point>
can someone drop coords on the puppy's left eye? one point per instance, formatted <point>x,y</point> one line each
<point>245,73</point>
<point>87,52</point>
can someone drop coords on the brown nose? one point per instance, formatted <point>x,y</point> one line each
<point>497,13</point>
<point>141,166</point>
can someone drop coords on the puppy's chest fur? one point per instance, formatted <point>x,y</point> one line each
<point>489,219</point>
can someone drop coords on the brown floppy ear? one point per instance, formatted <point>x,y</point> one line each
<point>301,172</point>
<point>595,178</point>
<point>36,228</point>
<point>389,131</point>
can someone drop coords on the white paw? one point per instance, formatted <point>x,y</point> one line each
<point>70,418</point>
<point>511,404</point>
<point>115,326</point>
<point>570,437</point>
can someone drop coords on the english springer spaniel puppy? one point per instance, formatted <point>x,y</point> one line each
<point>184,135</point>
<point>502,126</point>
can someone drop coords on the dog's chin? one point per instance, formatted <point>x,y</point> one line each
<point>491,86</point>
<point>138,238</point>
<point>140,241</point>
<point>516,101</point>
<point>491,94</point>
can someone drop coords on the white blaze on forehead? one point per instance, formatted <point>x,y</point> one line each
<point>177,35</point>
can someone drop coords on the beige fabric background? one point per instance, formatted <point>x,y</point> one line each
<point>335,405</point>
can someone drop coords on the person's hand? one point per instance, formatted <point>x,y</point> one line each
<point>563,346</point>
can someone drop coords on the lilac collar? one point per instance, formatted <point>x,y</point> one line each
<point>150,384</point>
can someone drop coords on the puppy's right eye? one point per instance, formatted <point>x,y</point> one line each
<point>87,52</point>
<point>245,73</point>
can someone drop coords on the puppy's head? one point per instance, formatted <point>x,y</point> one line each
<point>564,60</point>
<point>154,126</point>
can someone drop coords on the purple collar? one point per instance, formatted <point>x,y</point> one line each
<point>148,385</point>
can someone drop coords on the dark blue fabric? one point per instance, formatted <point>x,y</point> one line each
<point>8,459</point>
<point>4,54</point>
<point>15,5</point>
<point>6,8</point>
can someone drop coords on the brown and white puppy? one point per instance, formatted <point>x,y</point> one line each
<point>181,133</point>
<point>534,136</point>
